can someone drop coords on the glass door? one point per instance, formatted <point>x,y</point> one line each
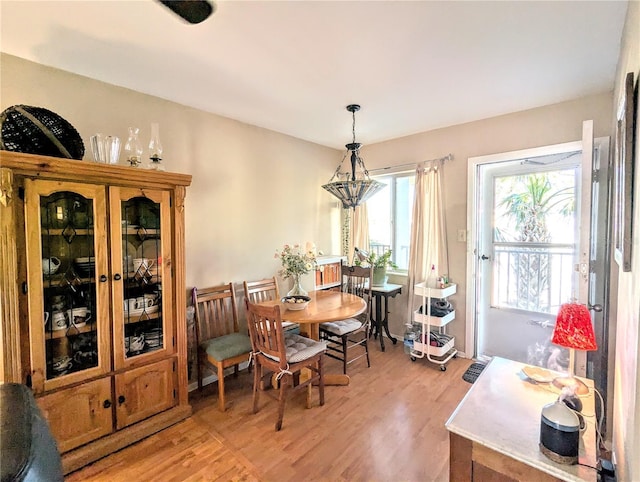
<point>141,259</point>
<point>67,289</point>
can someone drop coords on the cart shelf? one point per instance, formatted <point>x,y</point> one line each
<point>439,355</point>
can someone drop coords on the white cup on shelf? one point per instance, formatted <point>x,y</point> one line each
<point>78,316</point>
<point>58,320</point>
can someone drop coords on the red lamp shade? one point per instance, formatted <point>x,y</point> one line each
<point>573,328</point>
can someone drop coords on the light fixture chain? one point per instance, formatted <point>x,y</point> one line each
<point>337,171</point>
<point>353,127</point>
<point>364,168</point>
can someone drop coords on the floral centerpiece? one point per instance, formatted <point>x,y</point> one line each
<point>297,261</point>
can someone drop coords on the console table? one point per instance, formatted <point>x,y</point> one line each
<point>494,433</point>
<point>381,295</point>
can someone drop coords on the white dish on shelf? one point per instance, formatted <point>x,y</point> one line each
<point>85,260</point>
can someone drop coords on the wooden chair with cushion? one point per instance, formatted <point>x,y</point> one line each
<point>267,290</point>
<point>217,333</point>
<point>344,336</point>
<point>285,356</point>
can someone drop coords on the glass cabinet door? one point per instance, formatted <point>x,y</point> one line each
<point>67,289</point>
<point>142,253</point>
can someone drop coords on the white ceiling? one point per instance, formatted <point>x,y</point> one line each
<point>293,66</point>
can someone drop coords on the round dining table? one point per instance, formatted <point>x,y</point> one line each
<point>325,305</point>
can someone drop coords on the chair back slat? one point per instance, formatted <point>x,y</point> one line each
<point>216,311</point>
<point>266,332</point>
<point>357,280</point>
<point>262,290</point>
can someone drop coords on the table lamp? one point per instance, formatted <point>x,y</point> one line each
<point>361,254</point>
<point>574,331</point>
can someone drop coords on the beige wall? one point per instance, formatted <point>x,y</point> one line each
<point>548,125</point>
<point>253,189</point>
<point>626,310</point>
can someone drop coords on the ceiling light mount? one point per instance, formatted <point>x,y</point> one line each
<point>360,187</point>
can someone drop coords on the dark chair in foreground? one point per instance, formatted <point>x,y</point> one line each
<point>29,452</point>
<point>344,336</point>
<point>286,357</point>
<point>217,333</point>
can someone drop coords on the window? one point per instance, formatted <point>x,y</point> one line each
<point>534,233</point>
<point>390,212</point>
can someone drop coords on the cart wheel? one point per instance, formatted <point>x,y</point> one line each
<point>443,368</point>
<point>413,358</point>
<point>455,356</point>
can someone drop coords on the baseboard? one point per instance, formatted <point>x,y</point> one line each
<point>213,378</point>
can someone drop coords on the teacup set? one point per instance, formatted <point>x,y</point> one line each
<point>75,317</point>
<point>140,303</point>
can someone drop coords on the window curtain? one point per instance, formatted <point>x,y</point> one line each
<point>359,237</point>
<point>428,244</point>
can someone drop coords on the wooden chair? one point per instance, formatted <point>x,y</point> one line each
<point>284,356</point>
<point>217,333</point>
<point>267,290</point>
<point>344,335</point>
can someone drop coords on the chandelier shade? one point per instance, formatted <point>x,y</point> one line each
<point>355,187</point>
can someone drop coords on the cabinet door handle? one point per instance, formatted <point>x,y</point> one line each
<point>106,403</point>
<point>103,278</point>
<point>117,277</point>
<point>121,399</point>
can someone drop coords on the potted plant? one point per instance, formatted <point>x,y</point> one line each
<point>380,264</point>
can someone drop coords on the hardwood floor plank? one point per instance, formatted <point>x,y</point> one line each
<point>387,425</point>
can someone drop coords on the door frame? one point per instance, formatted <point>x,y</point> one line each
<point>473,205</point>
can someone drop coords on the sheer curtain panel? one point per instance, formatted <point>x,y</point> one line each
<point>428,245</point>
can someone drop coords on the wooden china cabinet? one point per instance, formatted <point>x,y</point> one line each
<point>93,298</point>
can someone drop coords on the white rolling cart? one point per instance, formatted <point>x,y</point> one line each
<point>422,348</point>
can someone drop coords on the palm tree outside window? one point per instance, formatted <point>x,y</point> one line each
<point>534,240</point>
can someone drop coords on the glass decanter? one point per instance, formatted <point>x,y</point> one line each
<point>133,148</point>
<point>155,149</point>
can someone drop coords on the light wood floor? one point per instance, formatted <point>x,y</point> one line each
<point>387,425</point>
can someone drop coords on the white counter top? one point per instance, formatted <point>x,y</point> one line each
<point>502,412</point>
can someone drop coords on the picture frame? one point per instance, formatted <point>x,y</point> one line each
<point>623,174</point>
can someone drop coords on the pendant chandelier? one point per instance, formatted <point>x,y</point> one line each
<point>355,187</point>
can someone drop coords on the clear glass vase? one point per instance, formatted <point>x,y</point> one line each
<point>297,287</point>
